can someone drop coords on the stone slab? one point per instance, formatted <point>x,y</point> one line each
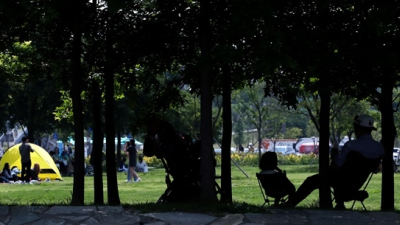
<point>37,209</point>
<point>156,223</point>
<point>333,217</point>
<point>180,218</point>
<point>113,209</point>
<point>277,218</point>
<point>90,221</point>
<point>233,219</point>
<point>50,221</point>
<point>119,218</point>
<point>4,210</point>
<point>56,210</point>
<point>384,217</point>
<point>21,215</point>
<point>74,218</point>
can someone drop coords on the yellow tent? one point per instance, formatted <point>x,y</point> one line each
<point>48,168</point>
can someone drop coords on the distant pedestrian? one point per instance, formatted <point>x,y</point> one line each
<point>69,149</point>
<point>25,150</point>
<point>251,148</point>
<point>131,150</point>
<point>241,149</point>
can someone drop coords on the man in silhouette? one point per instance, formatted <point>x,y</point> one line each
<point>25,150</point>
<point>364,144</point>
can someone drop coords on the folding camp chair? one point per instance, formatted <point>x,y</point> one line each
<point>354,177</point>
<point>270,186</point>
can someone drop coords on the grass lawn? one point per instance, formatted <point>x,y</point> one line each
<point>246,192</point>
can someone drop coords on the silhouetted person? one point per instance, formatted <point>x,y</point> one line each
<point>364,144</point>
<point>25,150</point>
<point>269,167</point>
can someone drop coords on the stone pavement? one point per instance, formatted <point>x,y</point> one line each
<point>44,215</point>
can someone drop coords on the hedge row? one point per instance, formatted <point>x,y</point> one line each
<point>250,159</point>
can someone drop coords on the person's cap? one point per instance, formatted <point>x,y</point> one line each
<point>364,121</point>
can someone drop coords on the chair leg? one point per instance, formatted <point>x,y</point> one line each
<point>364,206</point>
<point>354,202</point>
<point>265,203</point>
<point>362,203</point>
<point>277,201</point>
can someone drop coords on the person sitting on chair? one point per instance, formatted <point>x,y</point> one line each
<point>364,144</point>
<point>269,166</point>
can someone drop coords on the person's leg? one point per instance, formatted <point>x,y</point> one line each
<point>137,178</point>
<point>128,178</point>
<point>289,189</point>
<point>132,172</point>
<point>338,191</point>
<point>23,171</point>
<point>28,169</point>
<point>305,189</point>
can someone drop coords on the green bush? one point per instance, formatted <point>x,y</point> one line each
<point>250,159</point>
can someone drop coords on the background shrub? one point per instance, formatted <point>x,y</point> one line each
<point>249,159</point>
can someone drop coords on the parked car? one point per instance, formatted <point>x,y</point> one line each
<point>285,150</point>
<point>246,150</point>
<point>218,150</point>
<point>307,148</point>
<point>396,156</point>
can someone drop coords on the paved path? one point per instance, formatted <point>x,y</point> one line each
<point>43,215</point>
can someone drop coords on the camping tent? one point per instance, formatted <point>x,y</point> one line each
<point>41,156</point>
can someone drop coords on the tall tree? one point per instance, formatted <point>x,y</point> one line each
<point>97,151</point>
<point>109,72</point>
<point>207,168</point>
<point>77,8</point>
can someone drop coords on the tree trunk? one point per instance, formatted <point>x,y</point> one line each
<point>112,185</point>
<point>324,188</point>
<point>96,158</point>
<point>78,196</point>
<point>207,167</point>
<point>31,132</point>
<point>388,137</point>
<point>226,182</point>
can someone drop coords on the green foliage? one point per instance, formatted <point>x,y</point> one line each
<point>251,159</point>
<point>64,111</point>
<point>293,133</point>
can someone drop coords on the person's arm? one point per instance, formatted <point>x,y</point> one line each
<point>7,174</point>
<point>341,157</point>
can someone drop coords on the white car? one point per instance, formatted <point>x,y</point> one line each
<point>285,150</point>
<point>218,150</point>
<point>396,156</point>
